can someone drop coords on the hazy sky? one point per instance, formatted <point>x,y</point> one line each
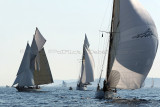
<point>63,23</point>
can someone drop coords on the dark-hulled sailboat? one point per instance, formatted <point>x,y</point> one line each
<point>34,69</point>
<point>132,49</point>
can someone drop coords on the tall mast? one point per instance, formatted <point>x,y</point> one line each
<point>110,43</point>
<point>82,69</point>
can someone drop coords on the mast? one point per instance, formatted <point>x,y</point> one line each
<point>82,68</point>
<point>133,45</point>
<point>110,43</point>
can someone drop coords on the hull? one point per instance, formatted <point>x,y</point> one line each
<point>99,94</point>
<point>70,88</point>
<point>27,89</point>
<point>110,95</point>
<point>105,95</point>
<point>82,88</point>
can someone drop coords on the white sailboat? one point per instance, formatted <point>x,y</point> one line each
<point>64,84</point>
<point>87,67</point>
<point>132,49</point>
<point>34,69</point>
<point>152,83</point>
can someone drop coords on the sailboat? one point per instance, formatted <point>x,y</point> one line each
<point>87,67</point>
<point>152,83</point>
<point>132,48</point>
<point>64,84</point>
<point>34,69</point>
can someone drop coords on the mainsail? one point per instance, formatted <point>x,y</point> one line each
<point>133,45</point>
<point>87,74</point>
<point>42,72</point>
<point>25,75</point>
<point>43,76</point>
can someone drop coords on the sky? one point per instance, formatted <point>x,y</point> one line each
<point>63,23</point>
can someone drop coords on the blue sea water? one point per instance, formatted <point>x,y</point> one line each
<point>57,96</point>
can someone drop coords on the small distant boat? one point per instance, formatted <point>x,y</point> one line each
<point>70,88</point>
<point>34,69</point>
<point>152,83</point>
<point>87,67</point>
<point>132,48</point>
<point>7,86</point>
<point>143,84</point>
<point>64,84</point>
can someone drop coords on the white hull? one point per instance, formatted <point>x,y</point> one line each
<point>81,88</point>
<point>106,95</point>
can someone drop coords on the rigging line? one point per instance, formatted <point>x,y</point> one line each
<point>103,61</point>
<point>79,66</point>
<point>105,44</point>
<point>103,49</point>
<point>100,61</point>
<point>101,53</point>
<point>98,52</point>
<point>105,13</point>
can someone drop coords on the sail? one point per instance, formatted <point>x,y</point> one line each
<point>87,74</point>
<point>86,43</point>
<point>37,44</point>
<point>82,75</point>
<point>64,84</point>
<point>133,45</point>
<point>25,75</point>
<point>152,83</point>
<point>38,41</point>
<point>43,76</point>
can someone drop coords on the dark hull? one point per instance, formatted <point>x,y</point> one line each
<point>81,88</point>
<point>106,95</point>
<point>29,89</point>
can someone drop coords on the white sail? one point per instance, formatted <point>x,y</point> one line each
<point>38,41</point>
<point>152,83</point>
<point>64,84</point>
<point>37,44</point>
<point>133,47</point>
<point>25,75</point>
<point>87,74</point>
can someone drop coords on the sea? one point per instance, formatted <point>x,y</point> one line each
<point>58,96</point>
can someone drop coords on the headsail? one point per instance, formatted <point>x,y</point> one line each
<point>25,75</point>
<point>43,76</point>
<point>37,44</point>
<point>38,41</point>
<point>133,45</point>
<point>87,74</point>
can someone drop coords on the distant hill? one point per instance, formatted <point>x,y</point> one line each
<point>73,82</point>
